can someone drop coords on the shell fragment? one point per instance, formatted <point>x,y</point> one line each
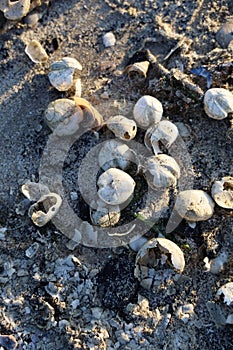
<point>36,52</point>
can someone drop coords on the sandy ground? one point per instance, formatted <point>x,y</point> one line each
<point>88,297</point>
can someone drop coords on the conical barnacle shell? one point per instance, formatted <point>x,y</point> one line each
<point>147,111</point>
<point>218,103</point>
<point>91,117</point>
<point>115,154</point>
<point>161,171</point>
<point>115,186</point>
<point>36,52</point>
<point>104,215</point>
<point>139,68</point>
<point>165,132</point>
<point>222,192</point>
<point>227,291</point>
<point>51,203</point>
<point>34,190</point>
<point>61,73</point>
<point>14,10</point>
<point>64,116</point>
<point>154,255</point>
<point>122,127</point>
<point>194,205</point>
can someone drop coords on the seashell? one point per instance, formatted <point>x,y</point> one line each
<point>216,265</point>
<point>222,192</point>
<point>61,73</point>
<point>161,171</point>
<point>34,191</point>
<point>51,203</point>
<point>36,52</point>
<point>91,117</point>
<point>115,186</point>
<point>103,215</point>
<point>139,68</point>
<point>14,10</point>
<point>32,250</point>
<point>64,116</point>
<point>165,132</point>
<point>115,154</point>
<point>154,255</point>
<point>218,103</point>
<point>109,39</point>
<point>122,127</point>
<point>78,88</point>
<point>194,205</point>
<point>227,291</point>
<point>147,111</point>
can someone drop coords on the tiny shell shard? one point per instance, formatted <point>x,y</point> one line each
<point>36,52</point>
<point>222,192</point>
<point>218,103</point>
<point>115,154</point>
<point>109,39</point>
<point>122,127</point>
<point>115,186</point>
<point>61,73</point>
<point>194,205</point>
<point>51,203</point>
<point>154,255</point>
<point>139,68</point>
<point>147,111</point>
<point>15,10</point>
<point>227,291</point>
<point>161,171</point>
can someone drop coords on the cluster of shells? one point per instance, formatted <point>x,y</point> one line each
<point>116,186</point>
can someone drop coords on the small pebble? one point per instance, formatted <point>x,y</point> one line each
<point>32,250</point>
<point>225,34</point>
<point>109,39</point>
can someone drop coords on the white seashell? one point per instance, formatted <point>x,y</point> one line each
<point>34,191</point>
<point>194,205</point>
<point>161,171</point>
<point>122,127</point>
<point>115,154</point>
<point>61,73</point>
<point>64,116</point>
<point>147,111</point>
<point>218,103</point>
<point>165,132</point>
<point>78,88</point>
<point>154,255</point>
<point>222,192</point>
<point>216,265</point>
<point>91,117</point>
<point>109,39</point>
<point>14,10</point>
<point>115,186</point>
<point>227,291</point>
<point>36,52</point>
<point>104,215</point>
<point>139,68</point>
<point>51,203</point>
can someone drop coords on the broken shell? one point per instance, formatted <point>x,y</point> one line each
<point>115,154</point>
<point>122,127</point>
<point>115,186</point>
<point>61,73</point>
<point>166,132</point>
<point>64,116</point>
<point>78,88</point>
<point>109,39</point>
<point>161,171</point>
<point>34,191</point>
<point>14,10</point>
<point>104,215</point>
<point>36,52</point>
<point>194,205</point>
<point>222,192</point>
<point>153,256</point>
<point>91,117</point>
<point>51,203</point>
<point>139,68</point>
<point>227,291</point>
<point>147,111</point>
<point>218,103</point>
